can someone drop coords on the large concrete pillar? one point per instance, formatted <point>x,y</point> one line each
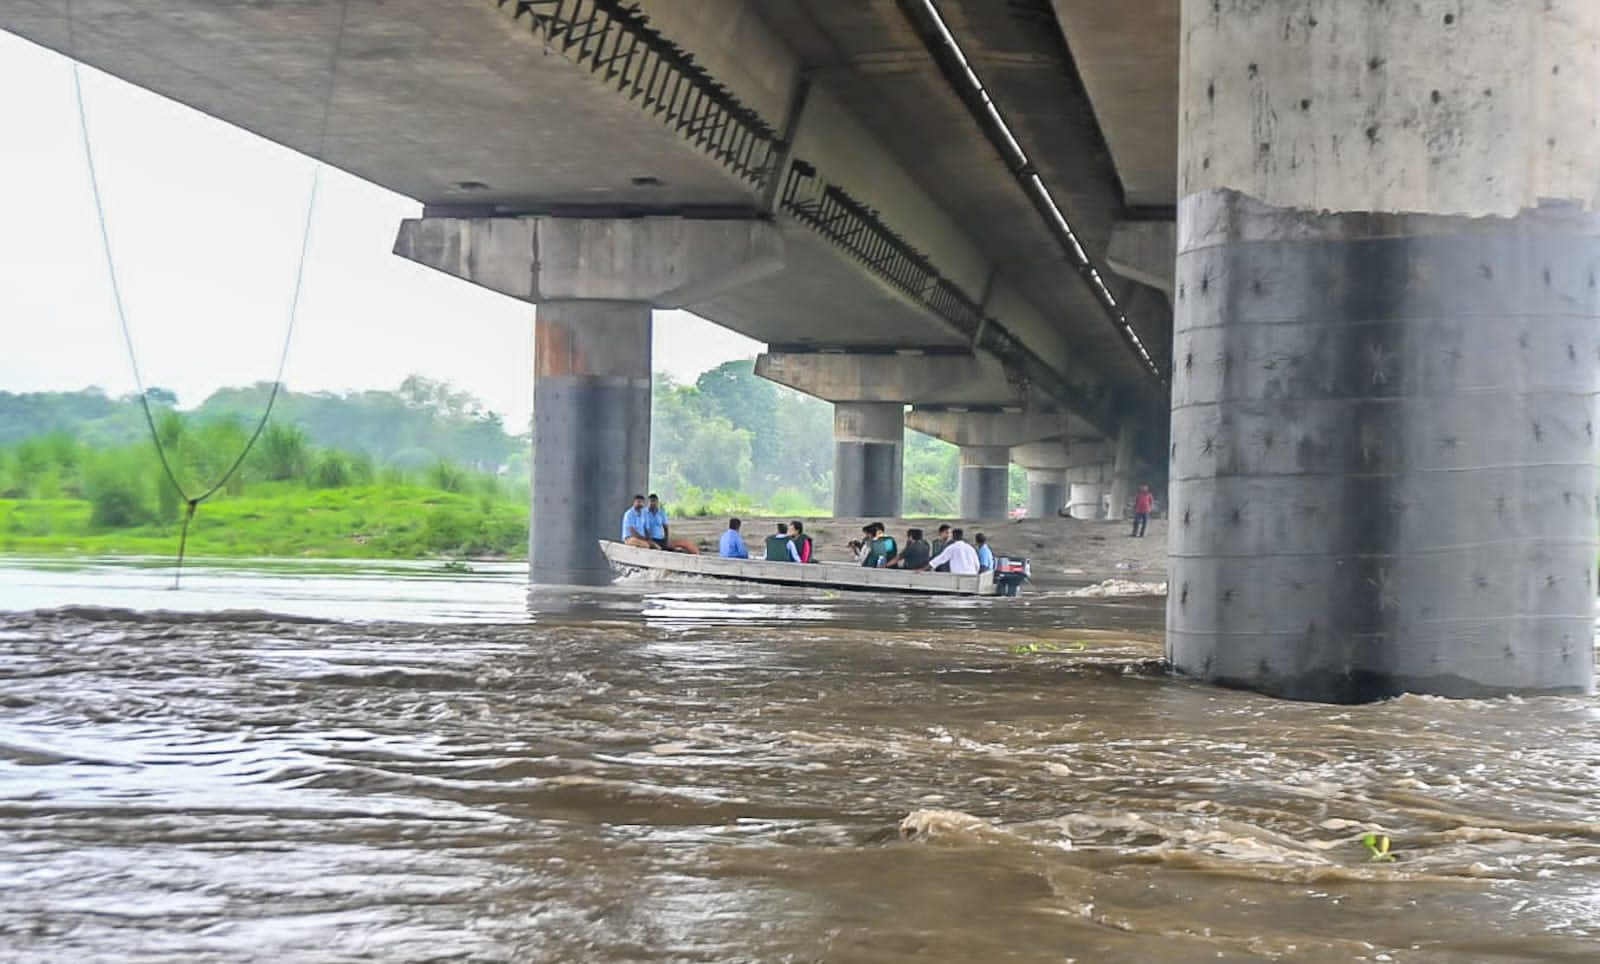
<point>1087,481</point>
<point>1384,465</point>
<point>1046,464</point>
<point>591,432</point>
<point>985,484</point>
<point>1122,472</point>
<point>868,444</point>
<point>595,282</point>
<point>1047,492</point>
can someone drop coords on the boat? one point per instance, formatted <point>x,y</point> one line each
<point>823,575</point>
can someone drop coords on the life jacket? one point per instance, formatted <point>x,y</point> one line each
<point>777,548</point>
<point>884,547</point>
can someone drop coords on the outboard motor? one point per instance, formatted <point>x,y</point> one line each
<point>1010,573</point>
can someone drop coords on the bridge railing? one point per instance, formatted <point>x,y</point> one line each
<point>613,39</point>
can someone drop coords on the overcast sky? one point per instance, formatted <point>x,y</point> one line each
<point>205,224</point>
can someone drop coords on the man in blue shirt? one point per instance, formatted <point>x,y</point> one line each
<point>660,534</point>
<point>636,525</point>
<point>985,554</point>
<point>732,546</point>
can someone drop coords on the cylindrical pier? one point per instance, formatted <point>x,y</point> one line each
<point>591,433</point>
<point>1385,355</point>
<point>868,442</point>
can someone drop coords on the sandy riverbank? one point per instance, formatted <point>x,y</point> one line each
<point>1059,549</point>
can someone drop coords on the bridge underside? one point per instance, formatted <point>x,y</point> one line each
<point>898,232</point>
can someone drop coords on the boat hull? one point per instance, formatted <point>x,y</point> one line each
<point>823,575</point>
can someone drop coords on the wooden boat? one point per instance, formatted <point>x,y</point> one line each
<point>825,575</point>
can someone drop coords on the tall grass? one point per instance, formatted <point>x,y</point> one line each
<point>286,479</point>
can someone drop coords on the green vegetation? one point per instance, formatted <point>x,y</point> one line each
<point>423,470</point>
<point>1378,851</point>
<point>71,491</point>
<point>284,519</point>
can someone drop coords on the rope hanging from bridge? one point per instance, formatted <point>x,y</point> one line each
<point>192,502</point>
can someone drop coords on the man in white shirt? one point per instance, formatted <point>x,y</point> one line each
<point>962,558</point>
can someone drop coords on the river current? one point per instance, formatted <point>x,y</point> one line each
<point>355,764</point>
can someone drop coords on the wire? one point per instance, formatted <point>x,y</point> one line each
<point>192,503</point>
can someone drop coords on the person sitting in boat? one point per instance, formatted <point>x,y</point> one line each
<point>799,542</point>
<point>915,555</point>
<point>960,557</point>
<point>985,554</point>
<point>861,549</point>
<point>940,541</point>
<point>660,533</point>
<point>636,526</point>
<point>883,546</point>
<point>778,545</point>
<point>732,545</point>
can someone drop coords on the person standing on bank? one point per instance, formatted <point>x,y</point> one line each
<point>960,557</point>
<point>660,533</point>
<point>732,545</point>
<point>1143,502</point>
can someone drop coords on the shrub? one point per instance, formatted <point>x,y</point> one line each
<point>447,477</point>
<point>331,471</point>
<point>283,453</point>
<point>118,498</point>
<point>169,502</point>
<point>363,471</point>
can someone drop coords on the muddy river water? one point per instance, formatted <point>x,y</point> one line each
<point>315,764</point>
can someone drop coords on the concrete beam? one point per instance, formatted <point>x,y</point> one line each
<point>1145,251</point>
<point>663,262</point>
<point>900,378</point>
<point>1006,429</point>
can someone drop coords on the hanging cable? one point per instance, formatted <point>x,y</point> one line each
<point>192,503</point>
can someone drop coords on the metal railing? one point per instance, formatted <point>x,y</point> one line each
<point>614,40</point>
<point>862,233</point>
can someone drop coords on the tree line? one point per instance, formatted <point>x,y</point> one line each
<point>731,441</point>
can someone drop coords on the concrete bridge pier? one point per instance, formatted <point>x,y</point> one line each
<point>985,484</point>
<point>1385,353</point>
<point>1122,472</point>
<point>868,451</point>
<point>595,282</point>
<point>1047,492</point>
<point>1087,483</point>
<point>591,432</point>
<point>1046,465</point>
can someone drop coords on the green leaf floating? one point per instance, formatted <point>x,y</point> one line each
<point>1377,845</point>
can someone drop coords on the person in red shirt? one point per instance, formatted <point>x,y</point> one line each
<point>1143,501</point>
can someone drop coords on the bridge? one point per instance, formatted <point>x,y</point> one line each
<point>1327,266</point>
